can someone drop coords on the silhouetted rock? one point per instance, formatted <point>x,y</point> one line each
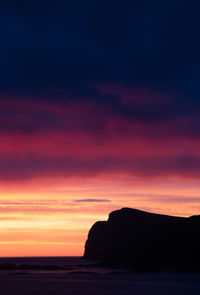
<point>12,266</point>
<point>143,241</point>
<point>8,266</point>
<point>40,267</point>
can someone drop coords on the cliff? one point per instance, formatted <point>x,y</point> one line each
<point>144,241</point>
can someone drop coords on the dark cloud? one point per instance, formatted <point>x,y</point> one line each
<point>57,56</point>
<point>60,44</point>
<point>92,201</point>
<point>157,166</point>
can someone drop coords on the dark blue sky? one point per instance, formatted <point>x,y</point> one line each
<point>63,46</point>
<point>114,72</point>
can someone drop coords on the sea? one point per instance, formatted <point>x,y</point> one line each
<point>76,276</point>
<point>49,265</point>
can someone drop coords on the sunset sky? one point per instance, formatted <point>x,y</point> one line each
<point>99,109</point>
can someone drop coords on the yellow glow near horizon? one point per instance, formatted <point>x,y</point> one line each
<point>39,218</point>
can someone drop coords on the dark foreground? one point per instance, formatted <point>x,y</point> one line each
<point>99,284</point>
<point>74,276</point>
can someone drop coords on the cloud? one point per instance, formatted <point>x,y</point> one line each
<point>82,97</point>
<point>92,201</point>
<point>138,43</point>
<point>33,166</point>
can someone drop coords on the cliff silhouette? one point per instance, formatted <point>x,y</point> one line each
<point>143,241</point>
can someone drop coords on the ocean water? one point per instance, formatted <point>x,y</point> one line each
<point>67,264</point>
<point>47,265</point>
<point>81,277</point>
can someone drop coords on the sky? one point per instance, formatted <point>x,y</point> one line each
<point>99,110</point>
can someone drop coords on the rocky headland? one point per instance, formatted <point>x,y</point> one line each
<point>146,242</point>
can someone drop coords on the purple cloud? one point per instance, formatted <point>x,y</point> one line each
<point>92,201</point>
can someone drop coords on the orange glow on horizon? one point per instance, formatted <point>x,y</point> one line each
<point>52,218</point>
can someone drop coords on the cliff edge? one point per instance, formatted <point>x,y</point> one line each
<point>143,241</point>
